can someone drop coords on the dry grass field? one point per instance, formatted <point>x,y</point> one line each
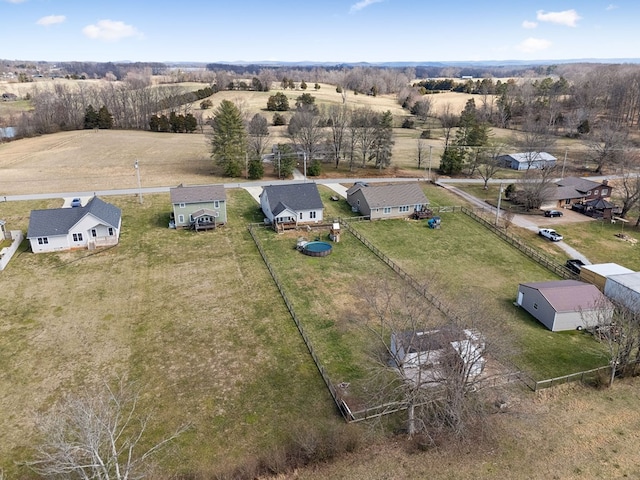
<point>566,433</point>
<point>87,160</point>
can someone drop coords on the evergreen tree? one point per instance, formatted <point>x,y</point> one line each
<point>256,168</point>
<point>190,123</point>
<point>163,124</point>
<point>105,119</point>
<point>90,117</point>
<point>278,103</point>
<point>229,139</point>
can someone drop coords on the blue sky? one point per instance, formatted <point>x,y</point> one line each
<point>317,30</point>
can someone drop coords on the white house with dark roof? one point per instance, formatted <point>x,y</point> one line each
<point>397,200</point>
<point>564,304</point>
<point>97,224</point>
<point>292,204</point>
<point>203,206</point>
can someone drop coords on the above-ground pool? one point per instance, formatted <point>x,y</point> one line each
<point>317,249</point>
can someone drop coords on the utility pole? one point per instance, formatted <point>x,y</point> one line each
<point>429,178</point>
<point>304,159</point>
<point>499,200</point>
<point>564,162</point>
<point>137,167</point>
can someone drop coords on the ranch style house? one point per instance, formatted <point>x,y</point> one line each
<point>397,200</point>
<point>97,224</point>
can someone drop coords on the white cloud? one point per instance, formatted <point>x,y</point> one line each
<point>110,31</point>
<point>566,17</point>
<point>363,4</point>
<point>611,6</point>
<point>532,45</point>
<point>51,20</point>
<point>528,24</point>
<point>15,1</point>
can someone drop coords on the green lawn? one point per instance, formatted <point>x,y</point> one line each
<point>194,319</point>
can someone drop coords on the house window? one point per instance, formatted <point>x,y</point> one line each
<point>77,237</point>
<point>190,218</point>
<point>535,306</point>
<point>386,210</point>
<point>94,233</point>
<point>216,204</point>
<point>180,218</point>
<point>111,231</point>
<point>404,208</point>
<point>312,215</point>
<point>182,205</point>
<point>605,191</point>
<point>596,192</point>
<point>589,192</point>
<point>43,241</point>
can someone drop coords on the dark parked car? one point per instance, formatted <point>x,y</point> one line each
<point>575,265</point>
<point>553,213</point>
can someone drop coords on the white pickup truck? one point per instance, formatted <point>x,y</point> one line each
<point>550,234</point>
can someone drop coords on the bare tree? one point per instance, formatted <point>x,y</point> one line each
<point>449,121</point>
<point>305,131</point>
<point>607,144</point>
<point>364,125</point>
<point>488,162</point>
<point>432,362</point>
<point>535,187</point>
<point>258,131</point>
<point>534,139</point>
<point>423,108</point>
<point>97,435</point>
<point>615,321</point>
<point>338,119</point>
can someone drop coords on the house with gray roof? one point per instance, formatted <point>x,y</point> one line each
<point>97,224</point>
<point>199,206</point>
<point>564,304</point>
<point>527,160</point>
<point>292,204</point>
<point>397,200</point>
<point>572,191</point>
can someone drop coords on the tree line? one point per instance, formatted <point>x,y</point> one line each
<point>318,135</point>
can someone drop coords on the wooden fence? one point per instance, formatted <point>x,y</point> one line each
<point>392,407</point>
<point>574,377</point>
<point>342,407</point>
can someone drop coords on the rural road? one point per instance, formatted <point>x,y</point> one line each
<point>336,184</point>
